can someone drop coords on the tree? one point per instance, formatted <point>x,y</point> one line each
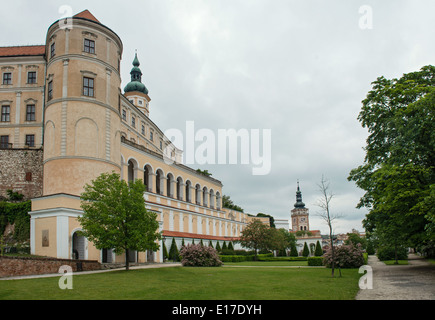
<point>398,172</point>
<point>173,251</point>
<point>318,252</point>
<point>306,251</point>
<point>271,219</point>
<point>256,236</point>
<point>324,203</point>
<point>114,216</point>
<point>228,203</point>
<point>283,240</point>
<point>293,250</point>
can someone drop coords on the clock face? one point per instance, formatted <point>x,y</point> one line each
<point>302,219</point>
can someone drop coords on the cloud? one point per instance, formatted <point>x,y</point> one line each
<point>299,68</point>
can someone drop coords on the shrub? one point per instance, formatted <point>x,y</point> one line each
<point>318,252</point>
<point>387,253</point>
<point>173,252</point>
<point>294,251</point>
<point>306,251</point>
<point>199,256</point>
<point>346,256</point>
<point>315,261</point>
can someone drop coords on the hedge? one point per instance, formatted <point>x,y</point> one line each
<point>315,261</point>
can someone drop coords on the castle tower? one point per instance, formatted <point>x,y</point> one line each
<point>135,90</point>
<point>299,215</point>
<point>81,138</point>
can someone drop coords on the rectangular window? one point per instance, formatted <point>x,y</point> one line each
<point>31,77</point>
<point>50,91</point>
<point>30,140</point>
<point>30,112</point>
<point>151,136</point>
<point>28,176</point>
<point>143,129</point>
<point>89,46</point>
<point>7,78</point>
<point>6,114</point>
<point>124,115</point>
<point>88,87</point>
<point>133,122</point>
<point>53,50</point>
<point>4,142</point>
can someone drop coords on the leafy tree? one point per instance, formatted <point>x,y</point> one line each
<point>398,171</point>
<point>271,219</point>
<point>355,238</point>
<point>114,216</point>
<point>256,236</point>
<point>283,240</point>
<point>228,203</point>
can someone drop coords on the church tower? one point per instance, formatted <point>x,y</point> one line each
<point>299,215</point>
<point>136,91</point>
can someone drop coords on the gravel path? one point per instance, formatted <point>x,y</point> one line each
<point>415,281</point>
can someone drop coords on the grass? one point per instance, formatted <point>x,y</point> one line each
<point>187,283</point>
<point>393,262</point>
<point>268,263</point>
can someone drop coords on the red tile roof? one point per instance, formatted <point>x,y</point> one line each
<point>86,15</point>
<point>168,233</point>
<point>22,51</point>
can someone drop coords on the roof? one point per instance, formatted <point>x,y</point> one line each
<point>85,14</point>
<point>178,234</point>
<point>38,50</point>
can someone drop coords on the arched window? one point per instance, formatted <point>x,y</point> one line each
<point>218,200</point>
<point>188,191</point>
<point>180,188</point>
<point>198,194</point>
<point>147,170</point>
<point>159,182</point>
<point>131,170</point>
<point>169,189</point>
<point>205,197</point>
<point>212,198</point>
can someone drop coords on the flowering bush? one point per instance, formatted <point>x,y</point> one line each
<point>346,256</point>
<point>196,255</point>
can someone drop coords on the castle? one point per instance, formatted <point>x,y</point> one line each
<point>65,120</point>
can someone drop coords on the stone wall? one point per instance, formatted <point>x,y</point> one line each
<point>21,171</point>
<point>17,266</point>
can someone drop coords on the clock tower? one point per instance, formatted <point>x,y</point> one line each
<point>299,214</point>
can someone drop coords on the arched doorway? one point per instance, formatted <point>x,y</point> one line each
<point>78,246</point>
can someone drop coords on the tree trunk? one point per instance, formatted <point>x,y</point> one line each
<point>332,253</point>
<point>126,259</point>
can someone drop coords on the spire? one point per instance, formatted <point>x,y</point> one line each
<point>136,78</point>
<point>299,203</point>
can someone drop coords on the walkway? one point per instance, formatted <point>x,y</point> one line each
<point>415,281</point>
<point>140,266</point>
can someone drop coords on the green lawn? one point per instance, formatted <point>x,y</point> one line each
<point>184,283</point>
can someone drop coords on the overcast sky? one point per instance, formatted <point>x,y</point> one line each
<point>298,68</point>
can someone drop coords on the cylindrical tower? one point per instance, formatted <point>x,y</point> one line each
<point>81,120</point>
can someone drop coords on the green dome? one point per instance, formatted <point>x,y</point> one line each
<point>136,78</point>
<point>136,86</point>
